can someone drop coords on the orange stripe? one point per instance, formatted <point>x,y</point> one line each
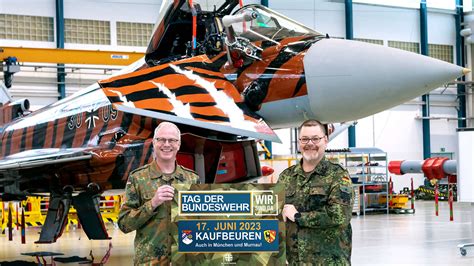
<point>48,139</point>
<point>217,57</point>
<point>80,133</point>
<point>191,98</point>
<point>15,141</point>
<point>205,71</point>
<point>111,126</point>
<point>29,138</point>
<point>211,111</point>
<point>98,126</point>
<point>195,59</point>
<point>252,72</point>
<point>147,130</point>
<point>4,141</point>
<point>133,128</point>
<point>60,131</point>
<point>283,85</point>
<point>171,81</point>
<point>146,146</point>
<point>155,104</point>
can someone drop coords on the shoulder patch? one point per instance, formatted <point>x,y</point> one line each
<point>346,179</point>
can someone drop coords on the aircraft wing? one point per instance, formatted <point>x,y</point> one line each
<point>40,157</point>
<point>191,92</point>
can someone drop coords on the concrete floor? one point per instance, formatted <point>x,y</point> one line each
<point>378,239</point>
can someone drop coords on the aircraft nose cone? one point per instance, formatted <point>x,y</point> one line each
<point>348,80</point>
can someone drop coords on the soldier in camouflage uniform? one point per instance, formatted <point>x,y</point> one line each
<point>149,191</point>
<point>319,199</point>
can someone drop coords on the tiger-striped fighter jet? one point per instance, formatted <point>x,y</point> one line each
<point>225,78</point>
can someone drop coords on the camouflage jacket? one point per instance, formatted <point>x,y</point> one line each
<point>153,238</point>
<point>323,233</point>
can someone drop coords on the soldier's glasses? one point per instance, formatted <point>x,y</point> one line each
<point>315,140</point>
<point>164,140</point>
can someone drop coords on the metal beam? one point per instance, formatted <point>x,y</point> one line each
<point>61,74</point>
<point>68,56</point>
<point>425,98</point>
<point>459,18</point>
<point>349,36</point>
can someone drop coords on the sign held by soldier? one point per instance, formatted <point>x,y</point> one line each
<point>215,222</point>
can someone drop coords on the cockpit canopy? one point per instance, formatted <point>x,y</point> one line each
<point>172,34</point>
<point>269,26</point>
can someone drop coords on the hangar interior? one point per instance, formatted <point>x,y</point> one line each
<point>118,32</point>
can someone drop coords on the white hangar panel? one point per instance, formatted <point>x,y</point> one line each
<point>386,23</point>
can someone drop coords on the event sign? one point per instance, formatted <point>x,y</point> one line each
<point>228,223</point>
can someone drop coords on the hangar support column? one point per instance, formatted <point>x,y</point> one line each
<point>350,36</point>
<point>425,98</point>
<point>60,44</point>
<point>461,90</point>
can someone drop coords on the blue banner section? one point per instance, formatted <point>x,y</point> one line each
<point>207,236</point>
<point>215,203</point>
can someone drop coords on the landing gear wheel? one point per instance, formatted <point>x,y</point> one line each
<point>463,251</point>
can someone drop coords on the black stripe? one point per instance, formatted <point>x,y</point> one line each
<point>23,139</point>
<point>39,135</point>
<point>55,128</point>
<point>247,110</point>
<point>290,51</point>
<point>148,153</point>
<point>124,125</point>
<point>104,128</point>
<point>220,62</point>
<point>99,113</point>
<point>68,134</point>
<point>204,75</point>
<point>211,117</point>
<point>142,124</point>
<point>267,44</point>
<point>202,104</point>
<point>154,93</point>
<point>138,152</point>
<point>214,67</point>
<point>9,143</point>
<point>135,80</point>
<point>299,85</point>
<point>89,130</point>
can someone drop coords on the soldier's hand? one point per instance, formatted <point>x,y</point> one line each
<point>289,211</point>
<point>162,194</point>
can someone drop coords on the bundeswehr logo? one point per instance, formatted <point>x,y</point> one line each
<point>269,235</point>
<point>187,236</point>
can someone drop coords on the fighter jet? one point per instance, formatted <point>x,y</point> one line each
<point>225,78</point>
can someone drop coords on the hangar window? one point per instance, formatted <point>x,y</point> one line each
<point>133,34</point>
<point>28,28</point>
<point>374,41</point>
<point>407,46</point>
<point>441,52</point>
<point>87,31</point>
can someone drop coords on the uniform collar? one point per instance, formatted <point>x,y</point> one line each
<point>155,172</point>
<point>320,169</point>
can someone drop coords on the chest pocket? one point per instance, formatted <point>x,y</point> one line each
<point>318,197</point>
<point>149,192</point>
